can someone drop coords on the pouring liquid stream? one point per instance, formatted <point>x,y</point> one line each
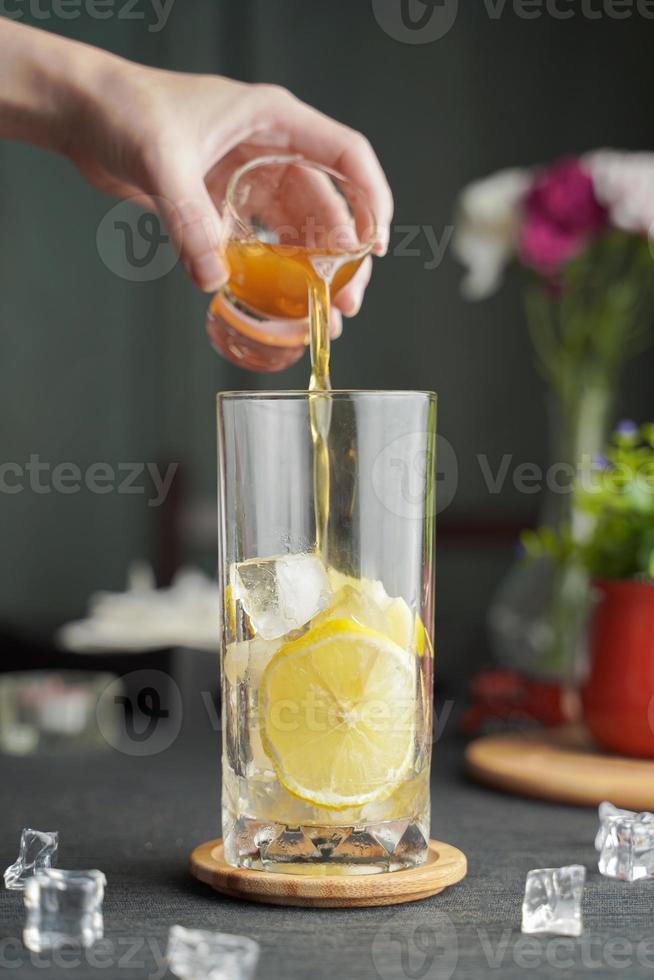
<point>281,281</point>
<point>320,408</point>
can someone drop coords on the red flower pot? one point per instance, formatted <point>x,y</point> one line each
<point>618,695</point>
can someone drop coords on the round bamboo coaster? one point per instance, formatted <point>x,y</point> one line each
<point>561,764</point>
<point>445,866</point>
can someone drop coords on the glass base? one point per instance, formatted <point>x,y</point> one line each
<point>392,845</point>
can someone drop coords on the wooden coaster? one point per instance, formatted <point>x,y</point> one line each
<point>561,764</point>
<point>445,866</point>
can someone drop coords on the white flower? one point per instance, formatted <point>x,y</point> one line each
<point>624,184</point>
<point>488,218</point>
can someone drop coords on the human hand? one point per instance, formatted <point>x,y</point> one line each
<point>144,133</point>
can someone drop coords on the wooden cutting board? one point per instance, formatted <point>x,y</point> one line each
<point>561,764</point>
<point>445,866</point>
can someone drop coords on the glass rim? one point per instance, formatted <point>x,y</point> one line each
<point>299,394</point>
<point>297,158</point>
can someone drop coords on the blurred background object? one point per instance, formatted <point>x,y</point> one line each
<point>106,366</point>
<point>56,711</point>
<point>185,614</point>
<point>581,230</point>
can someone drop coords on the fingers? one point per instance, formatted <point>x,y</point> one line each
<point>350,298</point>
<point>325,141</point>
<point>335,324</point>
<point>269,114</point>
<point>193,222</point>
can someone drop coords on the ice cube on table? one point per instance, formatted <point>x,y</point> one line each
<point>64,908</point>
<point>38,850</point>
<point>606,812</point>
<point>552,901</point>
<point>282,593</point>
<point>625,841</point>
<point>198,954</point>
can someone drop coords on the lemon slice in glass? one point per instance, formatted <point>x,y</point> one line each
<point>337,714</point>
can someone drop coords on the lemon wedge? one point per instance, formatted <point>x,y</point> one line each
<point>373,589</point>
<point>350,603</point>
<point>400,623</point>
<point>367,601</point>
<point>337,715</point>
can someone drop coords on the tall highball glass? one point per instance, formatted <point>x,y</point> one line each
<point>326,657</point>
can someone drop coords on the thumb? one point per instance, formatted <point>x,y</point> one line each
<point>194,225</point>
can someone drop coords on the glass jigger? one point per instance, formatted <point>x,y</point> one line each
<point>288,224</point>
<point>326,656</point>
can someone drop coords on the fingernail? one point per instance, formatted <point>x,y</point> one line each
<point>381,245</point>
<point>356,300</point>
<point>209,272</point>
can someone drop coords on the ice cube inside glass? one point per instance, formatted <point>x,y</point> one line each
<point>281,594</point>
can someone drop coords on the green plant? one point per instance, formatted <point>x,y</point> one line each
<point>614,495</point>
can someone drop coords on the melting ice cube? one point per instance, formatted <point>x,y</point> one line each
<point>283,593</point>
<point>38,850</point>
<point>625,841</point>
<point>552,901</point>
<point>197,954</point>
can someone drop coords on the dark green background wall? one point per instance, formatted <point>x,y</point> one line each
<point>95,368</point>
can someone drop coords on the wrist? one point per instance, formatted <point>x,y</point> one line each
<point>45,83</point>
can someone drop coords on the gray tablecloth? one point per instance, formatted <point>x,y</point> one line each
<point>137,819</point>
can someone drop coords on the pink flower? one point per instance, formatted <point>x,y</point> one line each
<point>545,247</point>
<point>560,213</point>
